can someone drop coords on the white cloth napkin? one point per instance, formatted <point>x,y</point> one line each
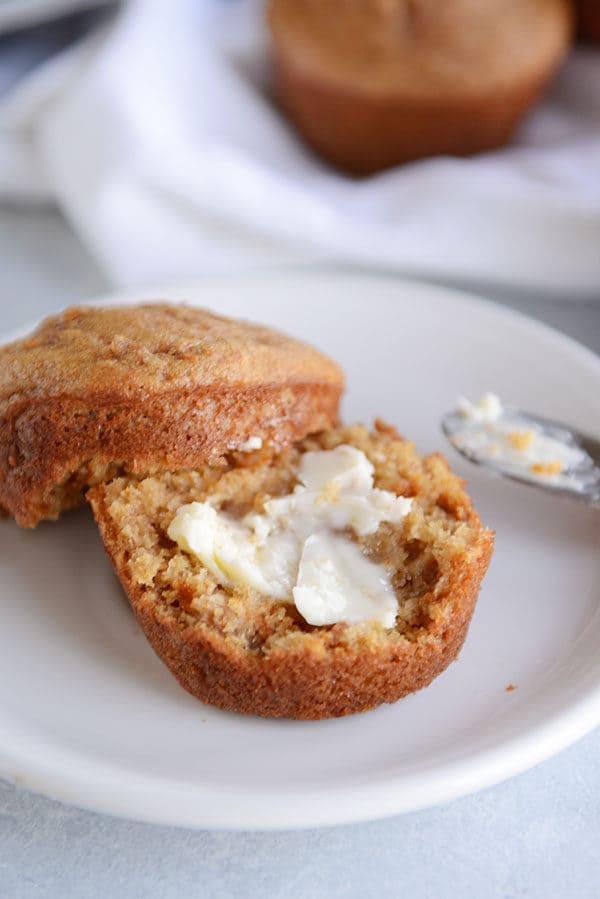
<point>160,141</point>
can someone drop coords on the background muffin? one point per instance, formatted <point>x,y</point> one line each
<point>373,83</point>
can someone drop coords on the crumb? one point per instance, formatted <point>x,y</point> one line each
<point>547,468</point>
<point>521,440</point>
<point>382,427</point>
<point>510,688</point>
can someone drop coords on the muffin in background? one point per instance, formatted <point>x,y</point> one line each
<point>370,84</point>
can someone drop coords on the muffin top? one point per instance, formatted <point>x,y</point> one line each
<point>421,45</point>
<point>138,350</point>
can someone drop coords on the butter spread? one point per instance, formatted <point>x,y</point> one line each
<point>514,442</point>
<point>337,583</point>
<point>486,409</point>
<point>294,551</point>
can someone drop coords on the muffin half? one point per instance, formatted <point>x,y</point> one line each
<point>366,600</point>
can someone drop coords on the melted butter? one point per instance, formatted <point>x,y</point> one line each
<point>493,433</point>
<point>294,551</point>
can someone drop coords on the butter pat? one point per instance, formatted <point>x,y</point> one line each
<point>337,583</point>
<point>293,551</point>
<point>337,492</point>
<point>232,553</point>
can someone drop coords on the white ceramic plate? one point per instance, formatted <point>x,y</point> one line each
<point>89,715</point>
<point>15,14</point>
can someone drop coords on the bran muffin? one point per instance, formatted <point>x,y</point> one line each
<point>242,651</point>
<point>95,392</point>
<point>373,83</point>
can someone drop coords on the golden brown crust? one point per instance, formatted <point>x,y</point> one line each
<point>366,135</point>
<point>141,388</point>
<point>374,84</point>
<point>298,683</point>
<point>305,672</point>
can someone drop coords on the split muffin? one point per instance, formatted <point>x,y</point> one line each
<point>373,83</point>
<point>279,564</point>
<point>337,575</point>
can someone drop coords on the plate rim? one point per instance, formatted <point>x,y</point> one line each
<point>354,802</point>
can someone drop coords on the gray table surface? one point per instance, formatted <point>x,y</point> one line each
<point>537,835</point>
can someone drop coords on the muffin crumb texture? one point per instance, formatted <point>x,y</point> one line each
<point>242,651</point>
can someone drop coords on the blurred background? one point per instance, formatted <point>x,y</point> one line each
<point>156,141</point>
